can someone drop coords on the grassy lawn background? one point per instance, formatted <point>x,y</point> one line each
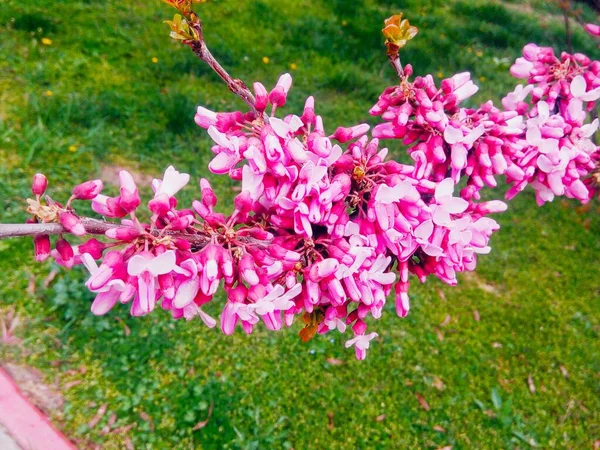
<point>94,99</point>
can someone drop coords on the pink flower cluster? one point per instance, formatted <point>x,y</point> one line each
<point>325,226</point>
<point>556,154</point>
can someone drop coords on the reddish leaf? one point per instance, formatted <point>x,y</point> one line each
<point>476,315</point>
<point>31,285</point>
<point>50,278</point>
<point>331,424</point>
<point>423,402</point>
<point>439,334</point>
<point>438,383</point>
<point>146,418</point>
<point>70,384</point>
<point>125,327</point>
<point>202,424</point>
<point>99,414</point>
<point>439,429</point>
<point>335,362</point>
<point>446,320</point>
<point>128,444</point>
<point>380,418</point>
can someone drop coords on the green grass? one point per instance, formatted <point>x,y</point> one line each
<point>537,293</point>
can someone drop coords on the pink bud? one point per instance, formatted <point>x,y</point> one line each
<point>262,98</point>
<point>243,202</point>
<point>72,223</point>
<point>181,223</point>
<point>88,190</point>
<point>247,269</point>
<point>66,253</point>
<point>39,185</point>
<point>278,95</point>
<point>41,247</point>
<point>347,134</point>
<point>130,198</point>
<point>491,207</point>
<point>308,116</point>
<point>205,117</point>
<point>323,269</point>
<point>123,233</point>
<point>93,247</point>
<point>209,199</point>
<point>160,205</point>
<point>108,206</point>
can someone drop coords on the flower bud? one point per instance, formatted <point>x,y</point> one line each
<point>88,190</point>
<point>66,253</point>
<point>71,223</point>
<point>262,98</point>
<point>278,95</point>
<point>123,233</point>
<point>41,246</point>
<point>130,198</point>
<point>39,185</point>
<point>93,247</point>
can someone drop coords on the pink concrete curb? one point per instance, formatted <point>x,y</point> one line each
<point>24,422</point>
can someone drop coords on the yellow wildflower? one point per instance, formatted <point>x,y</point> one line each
<point>265,60</point>
<point>46,41</point>
<point>154,59</point>
<point>48,93</point>
<point>293,66</point>
<point>72,148</point>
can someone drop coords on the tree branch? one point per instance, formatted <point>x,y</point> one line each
<point>98,227</point>
<point>238,87</point>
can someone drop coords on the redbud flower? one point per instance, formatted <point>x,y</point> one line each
<point>88,190</point>
<point>41,243</point>
<point>39,185</point>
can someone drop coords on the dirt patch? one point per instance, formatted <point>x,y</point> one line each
<point>109,174</point>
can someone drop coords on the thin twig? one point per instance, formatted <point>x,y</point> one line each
<point>238,87</point>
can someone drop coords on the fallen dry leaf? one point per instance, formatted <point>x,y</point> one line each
<point>442,295</point>
<point>202,424</point>
<point>125,327</point>
<point>50,278</point>
<point>447,447</point>
<point>99,414</point>
<point>530,384</point>
<point>597,445</point>
<point>380,418</point>
<point>331,424</point>
<point>438,383</point>
<point>439,334</point>
<point>446,320</point>
<point>146,418</point>
<point>31,285</point>
<point>71,384</point>
<point>564,371</point>
<point>496,345</point>
<point>439,429</point>
<point>335,362</point>
<point>423,402</point>
<point>128,444</point>
<point>476,315</point>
